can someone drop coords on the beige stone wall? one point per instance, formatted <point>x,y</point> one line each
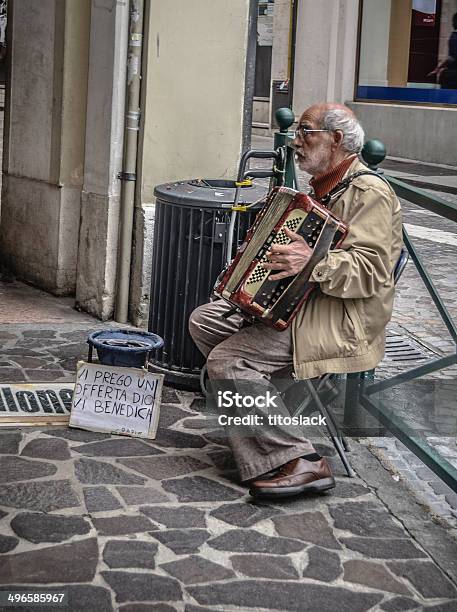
<point>374,48</point>
<point>194,84</point>
<point>326,52</point>
<point>44,141</point>
<point>193,99</point>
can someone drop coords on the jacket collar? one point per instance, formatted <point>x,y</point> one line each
<point>329,180</point>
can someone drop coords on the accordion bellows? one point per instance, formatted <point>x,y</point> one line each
<point>246,283</point>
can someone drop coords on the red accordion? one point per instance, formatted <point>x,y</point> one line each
<point>245,283</point>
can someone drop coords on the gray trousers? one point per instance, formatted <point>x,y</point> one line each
<point>251,354</point>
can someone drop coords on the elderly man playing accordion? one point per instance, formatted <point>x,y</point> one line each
<point>340,330</point>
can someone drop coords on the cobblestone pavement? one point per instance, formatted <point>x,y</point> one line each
<point>134,525</point>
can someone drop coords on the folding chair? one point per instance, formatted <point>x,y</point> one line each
<point>320,392</point>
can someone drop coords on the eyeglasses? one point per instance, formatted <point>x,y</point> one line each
<point>303,132</point>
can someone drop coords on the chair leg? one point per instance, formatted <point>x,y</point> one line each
<point>341,452</point>
<point>342,439</point>
<point>346,446</point>
<point>204,380</point>
<point>309,401</point>
<point>331,428</point>
<point>302,407</point>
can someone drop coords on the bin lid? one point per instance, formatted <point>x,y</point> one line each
<point>125,340</point>
<point>207,193</point>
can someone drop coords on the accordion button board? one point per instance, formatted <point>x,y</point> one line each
<point>307,225</point>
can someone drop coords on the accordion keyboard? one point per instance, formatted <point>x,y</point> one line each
<point>259,273</point>
<point>306,225</point>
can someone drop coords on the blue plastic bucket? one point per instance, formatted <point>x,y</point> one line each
<point>124,347</point>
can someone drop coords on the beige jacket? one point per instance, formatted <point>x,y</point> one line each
<point>341,328</point>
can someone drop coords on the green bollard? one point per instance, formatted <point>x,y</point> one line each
<point>373,153</point>
<point>284,118</point>
<point>286,173</point>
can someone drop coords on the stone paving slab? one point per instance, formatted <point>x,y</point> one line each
<point>49,353</point>
<point>21,303</point>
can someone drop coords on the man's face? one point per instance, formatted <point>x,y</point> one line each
<point>313,151</point>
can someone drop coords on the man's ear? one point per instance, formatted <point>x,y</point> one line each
<point>338,137</point>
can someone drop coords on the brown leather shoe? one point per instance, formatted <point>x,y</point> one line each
<point>262,477</point>
<point>296,477</point>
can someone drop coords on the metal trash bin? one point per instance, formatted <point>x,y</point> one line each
<point>189,252</point>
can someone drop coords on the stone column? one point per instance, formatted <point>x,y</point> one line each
<point>44,141</point>
<point>325,54</point>
<point>97,258</point>
<point>399,41</point>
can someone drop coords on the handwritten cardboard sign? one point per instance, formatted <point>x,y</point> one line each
<point>116,400</point>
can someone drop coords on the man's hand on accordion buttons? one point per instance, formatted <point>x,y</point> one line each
<point>288,259</point>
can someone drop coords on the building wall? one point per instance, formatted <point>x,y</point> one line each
<point>64,129</point>
<point>374,57</point>
<point>100,201</point>
<point>44,141</point>
<point>194,90</point>
<point>194,84</point>
<point>325,52</point>
<point>397,126</point>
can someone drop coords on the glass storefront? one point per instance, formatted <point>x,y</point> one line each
<point>408,51</point>
<point>264,48</point>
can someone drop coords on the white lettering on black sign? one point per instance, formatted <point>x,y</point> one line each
<point>35,399</point>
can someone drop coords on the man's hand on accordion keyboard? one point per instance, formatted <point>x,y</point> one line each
<point>288,259</point>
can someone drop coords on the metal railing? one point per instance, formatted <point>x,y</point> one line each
<point>393,422</point>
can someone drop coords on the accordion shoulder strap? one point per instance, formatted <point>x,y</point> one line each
<point>341,187</point>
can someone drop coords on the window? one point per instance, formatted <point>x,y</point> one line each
<point>408,51</point>
<point>264,48</point>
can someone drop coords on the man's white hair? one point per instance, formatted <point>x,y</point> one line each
<point>353,134</point>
